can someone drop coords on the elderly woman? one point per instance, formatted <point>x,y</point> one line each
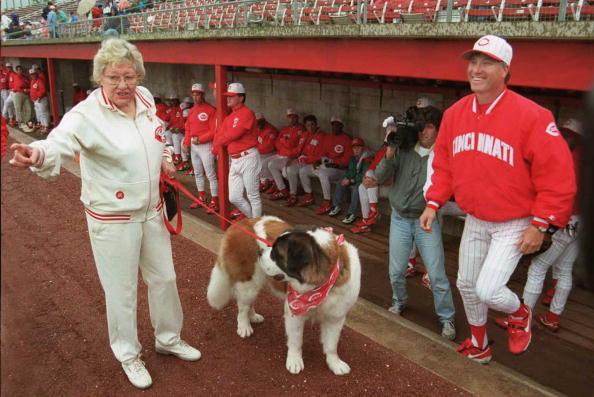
<point>122,153</point>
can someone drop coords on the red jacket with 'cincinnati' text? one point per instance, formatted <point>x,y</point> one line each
<point>200,123</point>
<point>506,163</point>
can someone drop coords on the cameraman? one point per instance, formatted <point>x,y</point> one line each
<point>409,146</point>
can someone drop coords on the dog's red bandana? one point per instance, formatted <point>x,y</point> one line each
<point>302,303</point>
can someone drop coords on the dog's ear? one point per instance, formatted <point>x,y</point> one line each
<point>305,253</point>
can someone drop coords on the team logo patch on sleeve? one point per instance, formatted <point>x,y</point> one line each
<point>160,134</point>
<point>202,116</point>
<point>552,129</point>
<point>260,140</point>
<point>235,122</point>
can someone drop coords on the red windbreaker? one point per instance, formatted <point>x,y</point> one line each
<point>78,97</point>
<point>238,131</point>
<point>506,163</point>
<point>176,118</point>
<point>338,149</point>
<point>200,123</point>
<point>18,82</point>
<point>313,147</point>
<point>289,143</point>
<point>266,138</point>
<point>4,75</point>
<point>37,90</point>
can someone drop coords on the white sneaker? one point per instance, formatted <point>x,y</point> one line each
<point>396,309</point>
<point>350,218</point>
<point>181,350</point>
<point>335,210</point>
<point>448,330</point>
<point>137,373</point>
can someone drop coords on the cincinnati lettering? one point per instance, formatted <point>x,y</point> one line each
<point>484,143</point>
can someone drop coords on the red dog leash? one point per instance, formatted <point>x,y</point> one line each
<point>179,187</point>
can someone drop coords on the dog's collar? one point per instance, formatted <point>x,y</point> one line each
<point>302,303</point>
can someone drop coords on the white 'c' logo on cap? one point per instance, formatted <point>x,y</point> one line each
<point>483,42</point>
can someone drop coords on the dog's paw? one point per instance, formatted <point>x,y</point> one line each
<point>295,363</point>
<point>244,330</point>
<point>256,318</point>
<point>338,366</point>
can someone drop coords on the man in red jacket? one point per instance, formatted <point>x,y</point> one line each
<point>267,134</point>
<point>38,95</point>
<point>78,95</point>
<point>503,158</point>
<point>238,133</point>
<point>288,146</point>
<point>199,130</point>
<point>336,154</point>
<point>18,83</point>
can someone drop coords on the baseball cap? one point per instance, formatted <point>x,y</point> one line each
<point>172,96</point>
<point>336,119</point>
<point>8,64</point>
<point>259,116</point>
<point>492,46</point>
<point>197,87</point>
<point>357,142</point>
<point>291,112</point>
<point>188,100</point>
<point>234,89</point>
<point>573,125</point>
<point>32,71</point>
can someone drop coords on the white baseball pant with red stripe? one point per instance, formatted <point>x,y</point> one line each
<point>275,166</point>
<point>489,254</point>
<point>41,107</point>
<point>265,159</point>
<point>561,256</point>
<point>203,163</point>
<point>120,249</point>
<point>293,171</point>
<point>244,175</point>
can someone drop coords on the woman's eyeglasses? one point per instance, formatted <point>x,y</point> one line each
<point>115,80</point>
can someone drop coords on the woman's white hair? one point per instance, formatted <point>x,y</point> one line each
<point>115,51</point>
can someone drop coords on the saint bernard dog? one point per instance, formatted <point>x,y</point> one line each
<point>316,272</point>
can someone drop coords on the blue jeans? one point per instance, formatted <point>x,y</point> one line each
<point>403,232</point>
<point>341,190</point>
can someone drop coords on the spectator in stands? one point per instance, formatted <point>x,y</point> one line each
<point>138,240</point>
<point>406,163</point>
<point>46,10</point>
<point>200,130</point>
<point>97,14</point>
<point>79,94</point>
<point>310,150</point>
<point>288,147</point>
<point>52,22</point>
<point>335,158</point>
<point>351,180</point>
<point>38,95</point>
<point>62,17</point>
<point>73,17</point>
<point>112,23</point>
<point>267,134</point>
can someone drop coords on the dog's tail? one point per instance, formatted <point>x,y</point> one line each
<point>220,289</point>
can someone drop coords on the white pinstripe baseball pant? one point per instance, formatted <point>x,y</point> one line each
<point>203,163</point>
<point>265,159</point>
<point>244,175</point>
<point>489,254</point>
<point>275,166</point>
<point>293,171</point>
<point>327,176</point>
<point>368,195</point>
<point>561,256</point>
<point>41,107</point>
<point>177,139</point>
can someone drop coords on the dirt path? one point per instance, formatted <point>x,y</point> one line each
<point>54,335</point>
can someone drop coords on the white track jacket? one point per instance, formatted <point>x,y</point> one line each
<point>120,158</point>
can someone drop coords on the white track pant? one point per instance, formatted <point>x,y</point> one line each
<point>203,163</point>
<point>275,166</point>
<point>42,111</point>
<point>8,108</point>
<point>3,97</point>
<point>265,159</point>
<point>244,175</point>
<point>327,177</point>
<point>561,255</point>
<point>488,256</point>
<point>120,249</point>
<point>20,102</point>
<point>177,139</point>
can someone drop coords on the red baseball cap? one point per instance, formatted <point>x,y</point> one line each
<point>357,142</point>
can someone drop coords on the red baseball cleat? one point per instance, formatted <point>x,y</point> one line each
<point>550,320</point>
<point>306,200</point>
<point>280,195</point>
<point>501,322</point>
<point>264,185</point>
<point>373,217</point>
<point>362,228</point>
<point>324,208</point>
<point>291,201</point>
<point>520,332</point>
<point>272,189</point>
<point>213,206</point>
<point>468,350</point>
<point>198,203</point>
<point>548,296</point>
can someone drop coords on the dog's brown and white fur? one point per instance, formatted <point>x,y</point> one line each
<point>302,257</point>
